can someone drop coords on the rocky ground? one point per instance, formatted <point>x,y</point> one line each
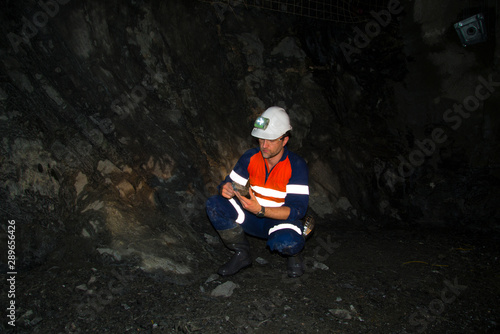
<point>118,123</point>
<point>359,280</point>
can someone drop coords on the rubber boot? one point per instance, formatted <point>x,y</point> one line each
<point>295,266</point>
<point>235,239</point>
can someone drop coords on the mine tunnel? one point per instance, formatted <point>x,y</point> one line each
<point>120,119</point>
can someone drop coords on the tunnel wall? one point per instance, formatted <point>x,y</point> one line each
<point>119,119</point>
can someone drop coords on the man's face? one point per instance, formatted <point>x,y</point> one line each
<point>271,148</point>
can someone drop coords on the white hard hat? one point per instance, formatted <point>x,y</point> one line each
<point>272,124</point>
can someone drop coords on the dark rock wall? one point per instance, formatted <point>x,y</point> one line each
<point>119,119</point>
<point>449,102</point>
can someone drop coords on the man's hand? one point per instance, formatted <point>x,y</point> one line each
<point>227,190</point>
<point>250,204</point>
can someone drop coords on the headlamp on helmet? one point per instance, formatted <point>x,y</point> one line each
<point>261,123</point>
<point>272,124</point>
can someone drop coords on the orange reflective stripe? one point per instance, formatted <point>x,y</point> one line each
<point>277,180</point>
<point>274,200</point>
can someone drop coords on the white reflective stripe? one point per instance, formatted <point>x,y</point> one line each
<point>283,227</point>
<point>238,179</point>
<point>241,215</point>
<point>297,189</point>
<point>266,202</point>
<point>269,192</point>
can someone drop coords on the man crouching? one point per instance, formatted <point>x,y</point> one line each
<point>278,197</point>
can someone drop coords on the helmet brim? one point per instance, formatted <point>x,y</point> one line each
<point>262,134</point>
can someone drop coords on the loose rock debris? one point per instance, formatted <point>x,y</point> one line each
<point>370,290</point>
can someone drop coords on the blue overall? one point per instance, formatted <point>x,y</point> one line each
<point>285,184</point>
<point>282,236</point>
